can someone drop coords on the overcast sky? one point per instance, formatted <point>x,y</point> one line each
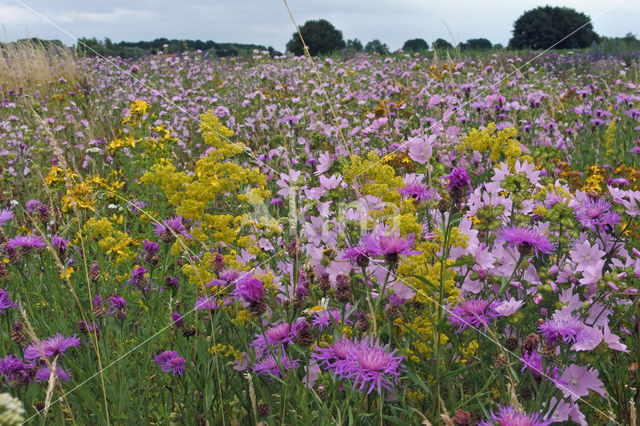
<point>267,22</point>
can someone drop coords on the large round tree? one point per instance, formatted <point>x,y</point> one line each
<point>320,36</point>
<point>543,27</point>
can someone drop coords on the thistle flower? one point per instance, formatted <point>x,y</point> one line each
<point>207,303</point>
<point>60,244</point>
<point>526,239</point>
<point>508,416</point>
<point>170,362</point>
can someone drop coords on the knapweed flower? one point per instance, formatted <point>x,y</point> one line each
<point>15,371</point>
<point>526,239</point>
<point>138,277</point>
<point>250,289</point>
<point>53,346</point>
<point>25,242</point>
<point>170,228</point>
<point>508,416</point>
<point>5,215</point>
<point>5,302</point>
<point>176,318</point>
<point>118,306</point>
<point>43,374</point>
<point>533,362</point>
<point>224,278</point>
<point>170,362</point>
<point>561,327</point>
<point>60,244</point>
<point>326,318</point>
<point>389,244</point>
<point>596,213</point>
<point>370,366</point>
<point>476,312</point>
<point>418,191</point>
<point>358,255</point>
<point>458,182</point>
<point>330,357</point>
<point>207,303</point>
<point>275,366</point>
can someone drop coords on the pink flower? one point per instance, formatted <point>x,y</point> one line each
<point>578,380</point>
<point>420,148</point>
<point>508,307</point>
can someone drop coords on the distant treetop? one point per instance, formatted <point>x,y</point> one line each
<point>415,45</point>
<point>543,27</point>
<point>441,44</point>
<point>320,36</point>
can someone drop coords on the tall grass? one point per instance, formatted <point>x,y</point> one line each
<point>29,64</point>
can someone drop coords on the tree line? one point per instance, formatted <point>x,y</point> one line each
<point>540,28</point>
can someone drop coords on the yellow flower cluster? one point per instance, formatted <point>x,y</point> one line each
<point>111,241</point>
<point>137,110</point>
<point>374,178</point>
<point>57,176</point>
<point>226,350</point>
<point>610,137</point>
<point>499,144</point>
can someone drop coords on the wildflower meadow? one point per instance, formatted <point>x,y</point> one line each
<point>355,239</point>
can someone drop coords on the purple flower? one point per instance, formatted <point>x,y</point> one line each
<point>249,289</point>
<point>151,248</point>
<point>508,416</point>
<point>389,245</point>
<point>370,366</point>
<point>327,318</point>
<point>458,180</point>
<point>176,317</point>
<point>533,362</point>
<point>44,373</point>
<point>170,362</point>
<point>5,215</point>
<point>165,229</point>
<point>476,312</point>
<point>526,239</point>
<point>418,191</point>
<point>561,327</point>
<point>207,303</point>
<point>330,357</point>
<point>138,277</point>
<point>577,380</point>
<point>118,306</point>
<point>275,366</point>
<point>25,242</point>
<point>596,213</point>
<point>59,243</point>
<point>224,278</point>
<point>53,346</point>
<point>6,302</point>
<point>358,255</point>
<point>14,370</point>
